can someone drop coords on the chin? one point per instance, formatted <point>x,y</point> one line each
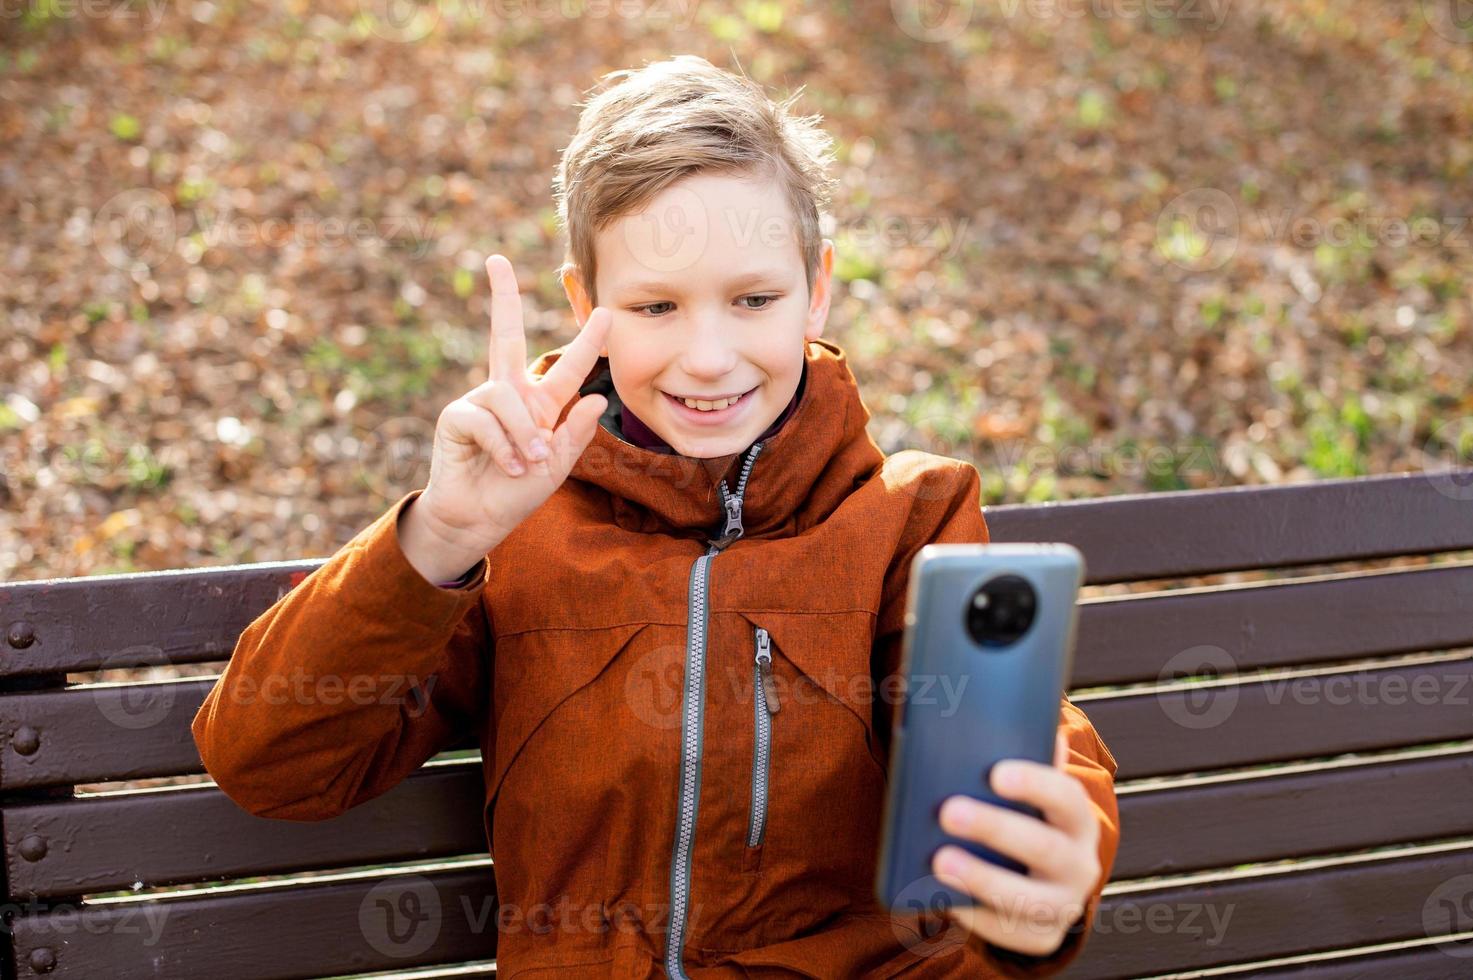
<point>713,446</point>
<point>712,449</point>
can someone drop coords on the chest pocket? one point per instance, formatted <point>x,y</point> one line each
<point>536,674</point>
<point>817,779</point>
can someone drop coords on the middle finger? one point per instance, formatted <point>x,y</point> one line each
<point>1043,849</point>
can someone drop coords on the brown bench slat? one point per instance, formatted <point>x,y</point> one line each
<point>89,735</point>
<point>1435,961</point>
<point>1267,723</point>
<point>316,930</point>
<point>1121,640</point>
<point>1239,821</point>
<point>99,734</point>
<point>178,836</point>
<point>1268,916</point>
<point>79,737</point>
<point>79,741</point>
<point>108,621</point>
<point>1194,532</point>
<point>1133,639</point>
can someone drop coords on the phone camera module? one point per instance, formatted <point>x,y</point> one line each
<point>1001,610</point>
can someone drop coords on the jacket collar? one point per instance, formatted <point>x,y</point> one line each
<point>802,473</point>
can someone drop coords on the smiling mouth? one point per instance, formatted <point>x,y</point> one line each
<point>708,405</point>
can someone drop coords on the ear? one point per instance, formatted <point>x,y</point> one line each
<point>578,299</point>
<point>821,294</point>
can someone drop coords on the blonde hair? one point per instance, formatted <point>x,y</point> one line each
<point>653,126</point>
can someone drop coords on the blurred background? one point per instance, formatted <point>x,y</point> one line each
<point>1093,246</point>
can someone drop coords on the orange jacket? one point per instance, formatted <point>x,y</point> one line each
<point>607,653</point>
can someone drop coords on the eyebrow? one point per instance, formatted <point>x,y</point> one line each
<point>740,282</point>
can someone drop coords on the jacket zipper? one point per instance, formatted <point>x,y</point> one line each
<point>764,706</point>
<point>693,707</point>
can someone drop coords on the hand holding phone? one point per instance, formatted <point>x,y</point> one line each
<point>986,657</point>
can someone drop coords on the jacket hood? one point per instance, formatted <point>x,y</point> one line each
<point>800,474</point>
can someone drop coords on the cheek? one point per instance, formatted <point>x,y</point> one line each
<point>632,364</point>
<point>781,368</point>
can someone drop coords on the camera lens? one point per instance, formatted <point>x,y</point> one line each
<point>1001,611</point>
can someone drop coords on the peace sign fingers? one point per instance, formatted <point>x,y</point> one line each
<point>561,381</point>
<point>508,344</point>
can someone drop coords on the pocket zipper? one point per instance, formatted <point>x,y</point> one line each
<point>764,706</point>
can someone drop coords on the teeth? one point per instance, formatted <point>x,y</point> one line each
<point>706,406</point>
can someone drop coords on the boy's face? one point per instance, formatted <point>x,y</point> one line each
<point>709,299</point>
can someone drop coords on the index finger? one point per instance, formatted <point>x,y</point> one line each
<point>578,358</point>
<point>508,360</point>
<point>1056,793</point>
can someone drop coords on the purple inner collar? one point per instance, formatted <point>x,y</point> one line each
<point>643,436</point>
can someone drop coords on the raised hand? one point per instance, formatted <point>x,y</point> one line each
<point>496,456</point>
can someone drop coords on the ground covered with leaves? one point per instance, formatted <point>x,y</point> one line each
<point>1093,246</point>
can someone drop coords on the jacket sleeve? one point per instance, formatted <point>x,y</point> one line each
<point>348,683</point>
<point>948,510</point>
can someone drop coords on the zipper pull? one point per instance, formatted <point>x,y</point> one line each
<point>764,665</point>
<point>733,514</point>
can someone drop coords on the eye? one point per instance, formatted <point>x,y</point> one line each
<point>770,301</point>
<point>647,306</point>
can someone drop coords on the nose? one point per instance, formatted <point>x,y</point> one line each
<point>709,355</point>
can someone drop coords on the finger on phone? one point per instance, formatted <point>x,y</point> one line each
<point>508,355</point>
<point>1059,796</point>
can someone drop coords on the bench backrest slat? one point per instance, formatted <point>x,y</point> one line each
<point>1198,730</point>
<point>1361,615</point>
<point>1135,537</point>
<point>112,621</point>
<point>313,930</point>
<point>1262,721</point>
<point>186,835</point>
<point>109,733</point>
<point>1423,961</point>
<point>1270,915</point>
<point>1177,829</point>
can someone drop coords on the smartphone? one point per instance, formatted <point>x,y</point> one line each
<point>986,656</point>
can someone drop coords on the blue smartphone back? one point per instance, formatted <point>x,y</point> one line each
<point>970,704</point>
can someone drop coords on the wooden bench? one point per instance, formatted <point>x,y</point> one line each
<point>1309,810</point>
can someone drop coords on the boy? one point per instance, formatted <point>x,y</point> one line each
<point>682,607</point>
